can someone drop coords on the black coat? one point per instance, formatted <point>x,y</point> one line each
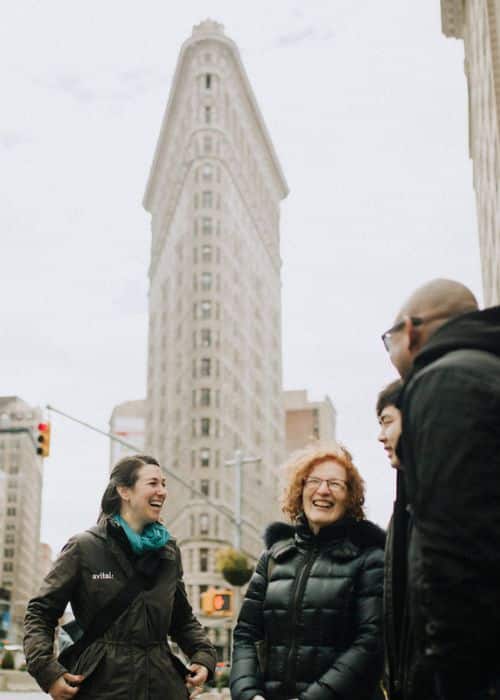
<point>132,659</point>
<point>451,452</point>
<point>315,608</point>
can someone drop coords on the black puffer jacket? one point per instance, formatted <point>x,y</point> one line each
<point>313,608</point>
<point>451,452</point>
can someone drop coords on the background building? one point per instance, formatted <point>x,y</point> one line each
<point>21,477</point>
<point>214,365</point>
<point>306,420</point>
<point>128,421</point>
<point>477,22</point>
<point>45,560</point>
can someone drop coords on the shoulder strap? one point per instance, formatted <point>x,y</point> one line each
<point>104,618</point>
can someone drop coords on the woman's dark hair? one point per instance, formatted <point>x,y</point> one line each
<point>124,473</point>
<point>389,396</point>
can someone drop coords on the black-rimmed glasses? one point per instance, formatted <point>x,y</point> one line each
<point>386,337</point>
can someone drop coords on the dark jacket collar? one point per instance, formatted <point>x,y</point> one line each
<point>478,330</point>
<point>361,533</point>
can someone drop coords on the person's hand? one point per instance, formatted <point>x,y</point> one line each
<point>195,681</point>
<point>61,688</point>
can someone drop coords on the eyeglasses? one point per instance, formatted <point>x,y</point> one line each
<point>313,482</point>
<point>387,336</point>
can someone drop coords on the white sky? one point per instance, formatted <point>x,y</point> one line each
<point>366,105</point>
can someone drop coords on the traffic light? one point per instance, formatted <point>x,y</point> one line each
<point>217,601</point>
<point>43,448</point>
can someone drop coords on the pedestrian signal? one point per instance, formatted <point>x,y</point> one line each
<point>43,448</point>
<point>217,601</point>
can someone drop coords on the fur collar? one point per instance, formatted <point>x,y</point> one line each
<point>362,533</point>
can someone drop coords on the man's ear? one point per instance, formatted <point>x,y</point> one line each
<point>414,336</point>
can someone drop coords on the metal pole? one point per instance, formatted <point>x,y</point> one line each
<point>169,471</point>
<point>238,464</point>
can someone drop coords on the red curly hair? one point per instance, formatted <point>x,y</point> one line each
<point>299,466</point>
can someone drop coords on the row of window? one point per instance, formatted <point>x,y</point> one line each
<point>205,310</point>
<point>206,254</point>
<point>205,427</point>
<point>203,458</point>
<point>206,200</point>
<point>205,224</point>
<point>204,398</point>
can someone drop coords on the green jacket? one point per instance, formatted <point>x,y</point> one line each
<point>132,659</point>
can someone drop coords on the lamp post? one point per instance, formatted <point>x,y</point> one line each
<point>238,462</point>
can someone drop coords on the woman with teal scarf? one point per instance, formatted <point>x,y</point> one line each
<point>132,658</point>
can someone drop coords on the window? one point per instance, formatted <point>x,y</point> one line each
<point>208,115</point>
<point>206,281</point>
<point>205,426</point>
<point>8,552</point>
<point>207,199</point>
<point>204,486</point>
<point>204,523</point>
<point>203,559</point>
<point>8,566</point>
<point>205,397</point>
<point>193,402</point>
<point>205,367</point>
<point>206,253</point>
<point>195,255</point>
<point>207,172</point>
<point>206,223</point>
<point>207,144</point>
<point>206,309</point>
<point>208,81</point>
<point>11,511</point>
<point>206,337</point>
<point>203,589</point>
<point>193,428</point>
<point>204,457</point>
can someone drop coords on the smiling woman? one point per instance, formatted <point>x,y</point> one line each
<point>123,579</point>
<point>310,622</point>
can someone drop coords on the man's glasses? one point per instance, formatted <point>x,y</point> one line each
<point>387,336</point>
<point>335,485</point>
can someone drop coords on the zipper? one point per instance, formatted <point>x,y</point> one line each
<point>297,594</point>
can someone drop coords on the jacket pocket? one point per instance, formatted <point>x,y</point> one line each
<point>89,660</point>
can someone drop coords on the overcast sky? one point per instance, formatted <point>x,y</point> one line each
<point>366,105</point>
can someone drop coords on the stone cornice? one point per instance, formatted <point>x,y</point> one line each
<point>452,18</point>
<point>210,31</point>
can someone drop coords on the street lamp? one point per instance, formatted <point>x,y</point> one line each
<point>238,463</point>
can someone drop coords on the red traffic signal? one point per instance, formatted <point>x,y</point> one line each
<point>217,602</point>
<point>43,439</point>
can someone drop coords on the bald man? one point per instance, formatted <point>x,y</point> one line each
<point>448,353</point>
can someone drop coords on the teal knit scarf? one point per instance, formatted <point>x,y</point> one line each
<point>154,536</point>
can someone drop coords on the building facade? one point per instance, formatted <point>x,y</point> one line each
<point>128,423</point>
<point>21,478</point>
<point>214,363</point>
<point>307,421</point>
<point>477,22</point>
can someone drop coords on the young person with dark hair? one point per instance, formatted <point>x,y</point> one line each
<point>127,570</point>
